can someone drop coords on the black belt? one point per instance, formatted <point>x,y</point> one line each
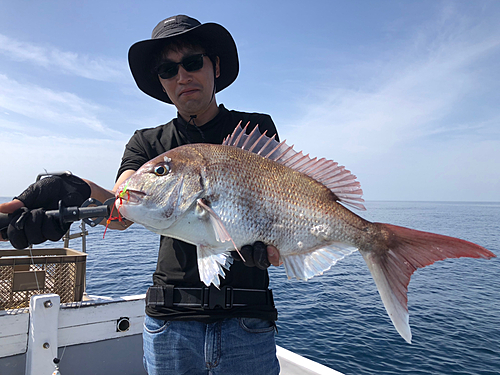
<point>206,297</point>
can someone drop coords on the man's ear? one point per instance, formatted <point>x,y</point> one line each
<point>217,67</point>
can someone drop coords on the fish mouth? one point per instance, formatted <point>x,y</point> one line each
<point>131,196</point>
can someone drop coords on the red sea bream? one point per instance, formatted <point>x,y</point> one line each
<point>252,188</point>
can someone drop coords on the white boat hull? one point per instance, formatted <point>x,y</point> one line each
<point>97,336</point>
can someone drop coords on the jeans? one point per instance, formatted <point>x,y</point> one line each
<point>232,346</point>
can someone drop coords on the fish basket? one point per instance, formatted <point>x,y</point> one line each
<point>24,273</point>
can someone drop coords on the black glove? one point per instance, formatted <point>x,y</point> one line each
<point>47,192</point>
<point>31,225</point>
<point>255,255</point>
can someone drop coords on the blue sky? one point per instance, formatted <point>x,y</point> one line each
<point>405,94</point>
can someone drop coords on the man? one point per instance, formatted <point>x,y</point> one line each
<point>189,329</point>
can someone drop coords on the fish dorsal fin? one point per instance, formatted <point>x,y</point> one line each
<point>334,176</point>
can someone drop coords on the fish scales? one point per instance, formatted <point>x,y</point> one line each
<point>252,188</point>
<point>282,208</point>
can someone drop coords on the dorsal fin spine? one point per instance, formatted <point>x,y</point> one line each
<point>328,174</point>
<point>230,138</point>
<point>339,178</point>
<point>274,149</point>
<point>309,164</point>
<point>267,144</point>
<point>258,140</point>
<point>296,164</point>
<point>241,135</point>
<point>281,156</point>
<point>295,159</point>
<point>315,168</point>
<point>249,137</point>
<point>333,176</point>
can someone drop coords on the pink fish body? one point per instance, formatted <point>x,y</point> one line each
<point>252,188</point>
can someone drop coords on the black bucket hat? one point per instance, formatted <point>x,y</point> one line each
<point>142,54</point>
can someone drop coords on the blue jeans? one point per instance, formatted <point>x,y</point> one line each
<point>232,346</point>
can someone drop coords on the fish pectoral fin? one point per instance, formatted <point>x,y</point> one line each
<point>211,264</point>
<point>221,233</point>
<point>306,265</point>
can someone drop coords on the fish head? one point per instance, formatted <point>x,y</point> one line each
<point>163,189</point>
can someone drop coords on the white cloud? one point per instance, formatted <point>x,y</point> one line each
<point>410,109</point>
<point>45,105</point>
<point>49,57</point>
<point>94,159</point>
<point>403,106</point>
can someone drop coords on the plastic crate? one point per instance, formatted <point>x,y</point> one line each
<point>24,273</point>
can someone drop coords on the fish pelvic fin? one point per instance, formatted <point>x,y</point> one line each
<point>399,252</point>
<point>307,265</point>
<point>211,265</point>
<point>335,177</point>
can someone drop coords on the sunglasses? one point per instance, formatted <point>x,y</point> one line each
<point>190,64</point>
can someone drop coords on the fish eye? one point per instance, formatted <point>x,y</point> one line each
<point>161,170</point>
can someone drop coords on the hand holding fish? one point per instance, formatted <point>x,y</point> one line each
<point>273,255</point>
<point>252,188</point>
<point>258,255</point>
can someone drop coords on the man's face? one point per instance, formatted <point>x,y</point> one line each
<point>190,92</point>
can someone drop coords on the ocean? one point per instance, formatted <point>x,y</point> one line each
<point>338,319</point>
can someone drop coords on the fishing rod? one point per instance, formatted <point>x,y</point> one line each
<point>91,215</point>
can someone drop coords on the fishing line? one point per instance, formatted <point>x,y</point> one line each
<point>34,266</point>
<point>54,349</point>
<point>56,360</point>
<point>79,305</point>
<point>121,194</point>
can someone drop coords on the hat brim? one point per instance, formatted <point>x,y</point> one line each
<point>140,56</point>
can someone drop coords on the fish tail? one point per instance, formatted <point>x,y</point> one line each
<point>397,252</point>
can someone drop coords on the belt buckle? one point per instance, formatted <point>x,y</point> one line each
<point>155,296</point>
<point>213,297</point>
